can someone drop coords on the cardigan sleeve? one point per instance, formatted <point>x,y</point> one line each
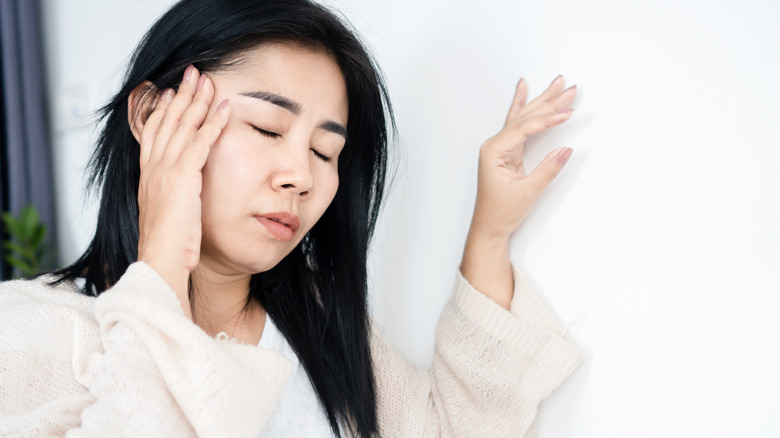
<point>156,374</point>
<point>491,368</point>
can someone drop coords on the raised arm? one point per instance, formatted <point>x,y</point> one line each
<point>498,352</point>
<point>505,193</point>
<point>491,369</point>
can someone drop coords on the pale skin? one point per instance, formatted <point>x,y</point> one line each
<point>210,171</point>
<point>505,193</point>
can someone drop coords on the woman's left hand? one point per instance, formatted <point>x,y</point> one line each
<point>505,193</point>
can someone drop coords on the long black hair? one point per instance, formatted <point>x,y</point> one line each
<point>317,295</point>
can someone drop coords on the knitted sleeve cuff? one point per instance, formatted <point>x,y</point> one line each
<point>528,326</point>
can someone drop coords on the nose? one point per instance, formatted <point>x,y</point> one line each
<point>294,172</point>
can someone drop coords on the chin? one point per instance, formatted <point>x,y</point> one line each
<point>260,259</point>
<point>249,256</point>
<point>255,266</point>
<point>267,261</point>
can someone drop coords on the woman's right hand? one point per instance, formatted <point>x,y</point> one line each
<point>175,142</point>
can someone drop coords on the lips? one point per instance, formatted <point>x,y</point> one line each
<point>282,225</point>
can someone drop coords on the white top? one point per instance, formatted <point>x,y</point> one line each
<point>130,363</point>
<point>299,412</point>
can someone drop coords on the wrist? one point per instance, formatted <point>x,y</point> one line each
<point>487,266</point>
<point>177,279</point>
<point>481,236</point>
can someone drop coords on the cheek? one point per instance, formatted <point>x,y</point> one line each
<point>328,186</point>
<point>228,171</point>
<point>331,187</point>
<point>234,156</point>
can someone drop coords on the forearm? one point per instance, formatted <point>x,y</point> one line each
<point>487,267</point>
<point>490,370</point>
<point>506,193</point>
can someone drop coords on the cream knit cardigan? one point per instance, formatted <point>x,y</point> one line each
<point>130,364</point>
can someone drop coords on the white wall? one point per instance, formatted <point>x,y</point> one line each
<point>88,43</point>
<point>661,239</point>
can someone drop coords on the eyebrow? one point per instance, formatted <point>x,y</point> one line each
<point>295,108</point>
<point>336,128</point>
<point>290,105</point>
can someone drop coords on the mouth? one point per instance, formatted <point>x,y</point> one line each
<point>282,225</point>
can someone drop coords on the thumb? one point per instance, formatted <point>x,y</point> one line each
<point>549,168</point>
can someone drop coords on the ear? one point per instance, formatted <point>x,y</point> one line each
<point>140,104</point>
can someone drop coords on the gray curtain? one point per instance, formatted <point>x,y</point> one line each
<point>25,158</point>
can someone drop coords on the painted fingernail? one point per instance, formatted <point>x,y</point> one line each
<point>563,156</point>
<point>222,106</point>
<point>187,73</point>
<point>201,81</point>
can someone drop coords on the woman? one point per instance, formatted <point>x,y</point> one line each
<point>242,167</point>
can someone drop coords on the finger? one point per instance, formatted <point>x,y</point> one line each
<point>534,125</point>
<point>565,99</point>
<point>181,100</point>
<point>196,153</point>
<point>554,90</point>
<point>152,125</point>
<point>548,169</point>
<point>191,120</point>
<point>518,102</point>
<point>556,104</point>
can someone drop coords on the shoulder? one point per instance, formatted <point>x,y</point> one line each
<point>49,335</point>
<point>41,294</point>
<point>34,314</point>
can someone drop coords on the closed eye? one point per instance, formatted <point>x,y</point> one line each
<point>271,134</point>
<point>266,133</point>
<point>320,156</point>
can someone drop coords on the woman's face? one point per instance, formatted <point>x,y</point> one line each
<point>273,171</point>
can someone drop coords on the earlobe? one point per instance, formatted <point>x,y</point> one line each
<point>140,104</point>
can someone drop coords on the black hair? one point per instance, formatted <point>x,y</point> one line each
<point>317,295</point>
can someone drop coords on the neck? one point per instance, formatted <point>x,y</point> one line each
<point>220,303</point>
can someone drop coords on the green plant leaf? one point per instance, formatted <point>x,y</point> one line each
<point>31,260</point>
<point>19,249</point>
<point>29,219</point>
<point>7,218</point>
<point>22,266</point>
<point>12,225</point>
<point>37,236</point>
<point>27,250</point>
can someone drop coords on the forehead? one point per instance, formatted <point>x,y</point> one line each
<point>308,76</point>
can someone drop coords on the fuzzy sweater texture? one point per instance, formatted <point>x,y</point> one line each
<point>130,364</point>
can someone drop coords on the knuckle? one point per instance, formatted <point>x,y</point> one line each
<point>198,138</point>
<point>147,139</point>
<point>184,127</point>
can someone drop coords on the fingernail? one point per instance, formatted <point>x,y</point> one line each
<point>222,106</point>
<point>565,110</point>
<point>572,87</point>
<point>200,82</point>
<point>556,78</point>
<point>520,81</point>
<point>187,73</point>
<point>563,156</point>
<point>167,94</point>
